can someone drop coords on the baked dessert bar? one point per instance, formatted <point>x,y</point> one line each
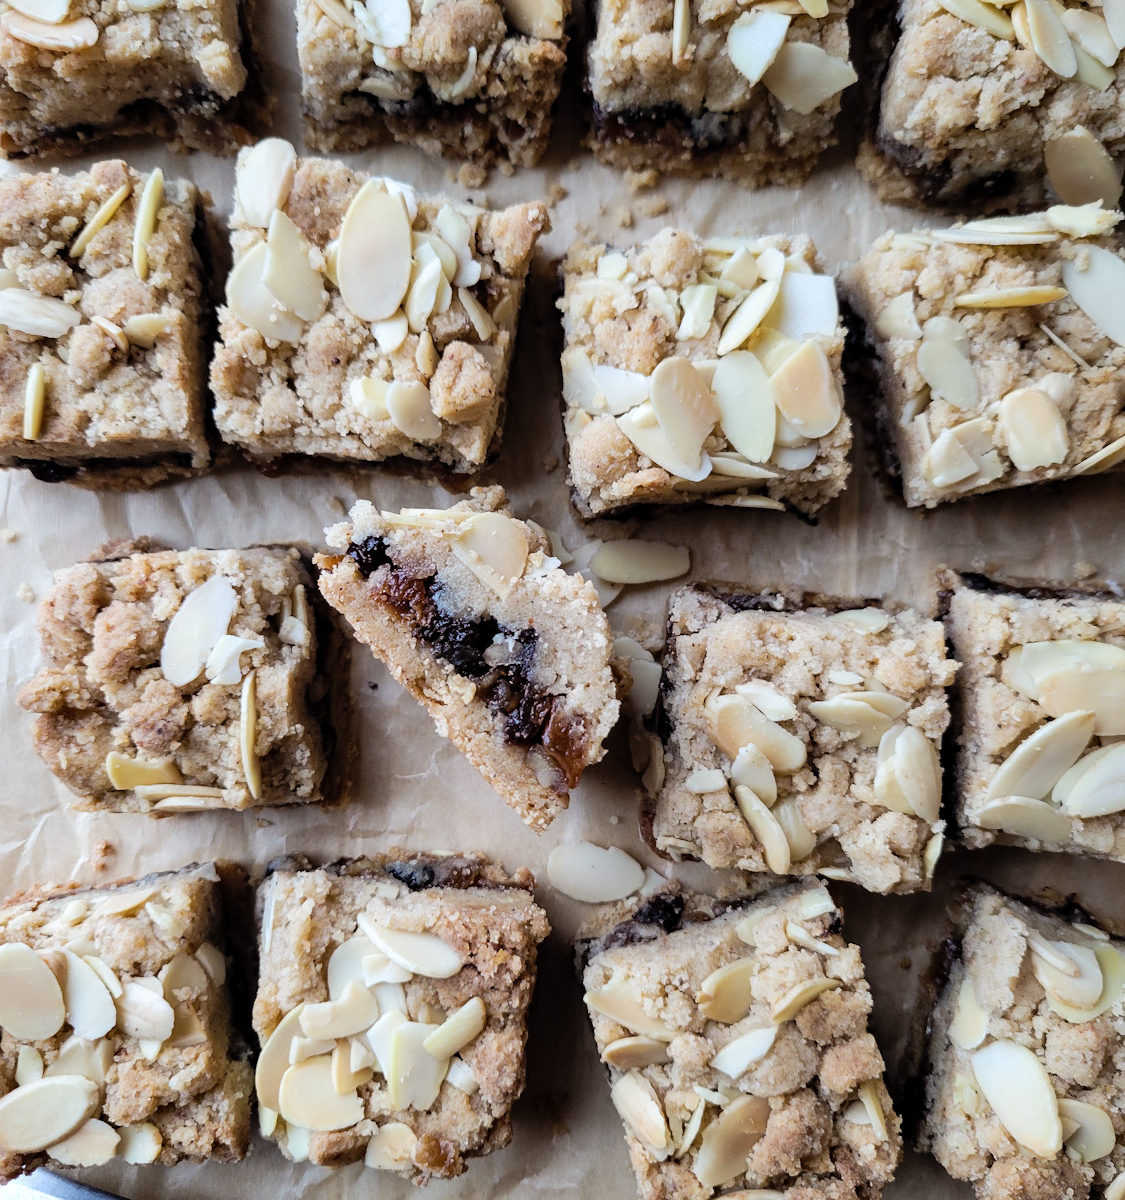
<point>703,371</point>
<point>465,79</point>
<point>510,655</point>
<point>363,323</point>
<point>715,88</point>
<point>735,1034</point>
<point>998,348</point>
<point>178,681</point>
<point>102,367</point>
<point>800,736</point>
<point>75,74</point>
<point>1023,1097</point>
<point>391,1008</point>
<point>1043,704</point>
<point>117,1029</point>
<point>981,101</point>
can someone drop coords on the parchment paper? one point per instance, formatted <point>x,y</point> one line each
<point>413,788</point>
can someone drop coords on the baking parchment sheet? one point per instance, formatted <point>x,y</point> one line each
<point>412,788</point>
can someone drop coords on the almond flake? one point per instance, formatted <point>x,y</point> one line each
<point>34,402</point>
<point>1067,972</point>
<point>803,76</point>
<point>1019,1091</point>
<point>863,620</point>
<point>698,306</point>
<point>1112,964</point>
<point>1049,38</point>
<point>1104,459</point>
<point>909,772</point>
<point>45,1111</point>
<point>494,547</point>
<point>264,176</point>
<point>1095,280</point>
<point>90,1145</point>
<point>308,1098</point>
<point>767,699</point>
<point>728,1140</point>
<point>391,1147</point>
<point>29,1065</point>
<point>80,34</point>
<point>642,428</point>
<point>1024,817</point>
<point>144,223</point>
<point>273,1060</point>
<point>1038,763</point>
<point>31,1000</point>
<point>806,306</point>
<point>422,953</point>
<point>807,393</point>
<point>483,324</point>
<point>683,405</point>
<point>288,273</point>
<point>39,316</point>
<point>1035,431</point>
<point>593,874</point>
<point>947,369</point>
<point>1095,785</point>
<point>739,1055</point>
<point>535,18</point>
<point>681,31</point>
<point>353,1012</point>
<point>866,714</point>
<point>457,1030</point>
<point>375,253</point>
<point>754,41</point>
<point>414,1077</point>
<point>345,964</point>
<point>790,1003</point>
<point>635,561</point>
<point>746,402</point>
<point>897,319</point>
<point>726,994</point>
<point>969,1026</point>
<point>90,1007</point>
<point>1089,31</point>
<point>736,722</point>
<point>765,827</point>
<point>617,1001</point>
<point>1094,1136</point>
<point>100,219</point>
<point>195,627</point>
<point>802,841</point>
<point>142,1011</point>
<point>253,304</point>
<point>1082,220</point>
<point>637,1105</point>
<point>984,16</point>
<point>1013,297</point>
<point>53,12</point>
<point>409,408</point>
<point>746,318</point>
<point>248,736</point>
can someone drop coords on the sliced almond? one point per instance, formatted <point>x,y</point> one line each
<point>807,306</point>
<point>45,1111</point>
<point>29,1065</point>
<point>408,406</point>
<point>31,1001</point>
<point>683,405</point>
<point>90,1007</point>
<point>897,319</point>
<point>1035,431</point>
<point>38,316</point>
<point>1094,1137</point>
<point>1027,665</point>
<point>725,994</point>
<point>1012,297</point>
<point>969,1026</point>
<point>458,235</point>
<point>248,735</point>
<point>457,1030</point>
<point>947,370</point>
<point>302,1048</point>
<point>1018,1090</point>
<point>764,825</point>
<point>1095,785</point>
<point>51,11</point>
<point>1076,981</point>
<point>754,40</point>
<point>126,773</point>
<point>91,1144</point>
<point>79,34</point>
<point>422,953</point>
<point>426,279</point>
<point>638,1106</point>
<point>983,16</point>
<point>593,874</point>
<point>346,1079</point>
<point>1039,761</point>
<point>1049,38</point>
<point>1080,168</point>
<point>1025,817</point>
<point>728,1140</point>
<point>1082,221</point>
<point>739,1055</point>
<point>102,216</point>
<point>288,273</point>
<point>634,1051</point>
<point>746,318</point>
<point>355,1011</point>
<point>1101,690</point>
<point>736,722</point>
<point>802,841</point>
<point>1095,279</point>
<point>375,253</point>
<point>142,1012</point>
<point>391,1147</point>
<point>34,402</point>
<point>617,1001</point>
<point>702,782</point>
<point>807,393</point>
<point>494,547</point>
<point>144,223</point>
<point>273,1061</point>
<point>635,561</point>
<point>345,964</point>
<point>790,1003</point>
<point>140,1143</point>
<point>308,1098</point>
<point>1112,964</point>
<point>908,775</point>
<point>746,401</point>
<point>264,177</point>
<point>195,627</point>
<point>752,769</point>
<point>800,936</point>
<point>642,428</point>
<point>681,31</point>
<point>414,1076</point>
<point>253,304</point>
<point>803,76</point>
<point>866,715</point>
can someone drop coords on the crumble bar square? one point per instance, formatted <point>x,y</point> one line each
<point>391,1007</point>
<point>703,371</point>
<point>1022,1094</point>
<point>76,73</point>
<point>998,349</point>
<point>512,656</point>
<point>118,1038</point>
<point>470,79</point>
<point>178,681</point>
<point>102,364</point>
<point>712,88</point>
<point>735,1034</point>
<point>801,736</point>
<point>977,108</point>
<point>1042,701</point>
<point>390,329</point>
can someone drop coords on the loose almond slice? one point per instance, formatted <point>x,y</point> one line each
<point>1039,761</point>
<point>288,272</point>
<point>1080,168</point>
<point>391,1147</point>
<point>754,40</point>
<point>725,994</point>
<point>736,721</point>
<point>195,627</point>
<point>1095,785</point>
<point>41,1113</point>
<point>252,303</point>
<point>629,1053</point>
<point>355,1011</point>
<point>636,561</point>
<point>593,874</point>
<point>803,76</point>
<point>617,1001</point>
<point>1095,280</point>
<point>1018,1089</point>
<point>126,773</point>
<point>764,825</point>
<point>422,953</point>
<point>79,34</point>
<point>265,176</point>
<point>91,1144</point>
<point>739,1055</point>
<point>29,1065</point>
<point>641,427</point>
<point>983,16</point>
<point>1094,1136</point>
<point>728,1140</point>
<point>31,1000</point>
<point>375,253</point>
<point>308,1098</point>
<point>969,1026</point>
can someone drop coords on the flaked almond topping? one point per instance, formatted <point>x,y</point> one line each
<point>735,721</point>
<point>944,364</point>
<point>34,401</point>
<point>746,401</point>
<point>1034,429</point>
<point>1095,280</point>
<point>354,1011</point>
<point>376,254</point>
<point>641,427</point>
<point>593,874</point>
<point>1081,170</point>
<point>728,1140</point>
<point>91,1144</point>
<point>248,735</point>
<point>422,953</point>
<point>1030,230</point>
<point>725,994</point>
<point>144,223</point>
<point>1018,1090</point>
<point>287,270</point>
<point>865,620</point>
<point>39,316</point>
<point>391,1147</point>
<point>806,307</point>
<point>224,664</point>
<point>408,406</point>
<point>803,76</point>
<point>273,1061</point>
<point>633,1052</point>
<point>77,1056</point>
<point>1024,817</point>
<point>752,769</point>
<point>636,561</point>
<point>931,854</point>
<point>144,329</point>
<point>31,1000</point>
<point>414,1076</point>
<point>195,627</point>
<point>754,41</point>
<point>100,219</point>
<point>535,18</point>
<point>457,1030</point>
<point>79,34</point>
<point>1011,297</point>
<point>302,1048</point>
<point>345,964</point>
<point>897,319</point>
<point>765,827</point>
<point>426,281</point>
<point>53,12</point>
<point>806,391</point>
<point>91,1009</point>
<point>746,318</point>
<point>1112,964</point>
<point>482,323</point>
<point>29,1065</point>
<point>494,547</point>
<point>739,1055</point>
<point>1095,785</point>
<point>790,1003</point>
<point>346,1078</point>
<point>1093,1136</point>
<point>308,1098</point>
<point>142,1011</point>
<point>140,1143</point>
<point>969,1026</point>
<point>265,175</point>
<point>1102,460</point>
<point>617,1001</point>
<point>698,306</point>
<point>1049,38</point>
<point>865,715</point>
<point>45,1111</point>
<point>1082,221</point>
<point>702,782</point>
<point>800,936</point>
<point>683,405</point>
<point>983,16</point>
<point>1041,759</point>
<point>252,303</point>
<point>638,1106</point>
<point>767,699</point>
<point>681,31</point>
<point>1067,972</point>
<point>907,774</point>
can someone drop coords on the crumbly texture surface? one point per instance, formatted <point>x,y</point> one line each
<point>175,70</point>
<point>965,115</point>
<point>168,931</point>
<point>116,412</point>
<point>814,1137</point>
<point>987,623</point>
<point>1082,1058</point>
<point>628,311</point>
<point>516,673</point>
<point>102,688</point>
<point>694,111</point>
<point>274,399</point>
<point>488,916</point>
<point>1009,349</point>
<point>832,805</point>
<point>465,82</point>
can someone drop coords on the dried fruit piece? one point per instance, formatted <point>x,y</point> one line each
<point>969,1026</point>
<point>31,1000</point>
<point>725,994</point>
<point>593,874</point>
<point>43,1112</point>
<point>422,953</point>
<point>265,176</point>
<point>308,1098</point>
<point>803,76</point>
<point>728,1140</point>
<point>375,254</point>
<point>754,40</point>
<point>1081,170</point>
<point>1018,1089</point>
<point>637,1105</point>
<point>739,1055</point>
